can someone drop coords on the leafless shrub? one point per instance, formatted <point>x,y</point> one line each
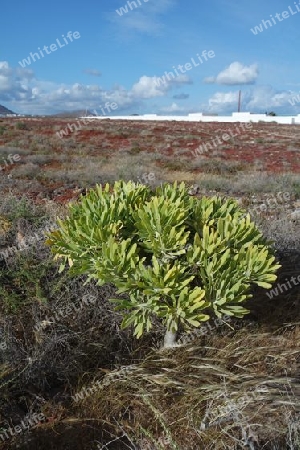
<point>259,182</point>
<point>283,231</point>
<point>13,151</point>
<point>38,159</point>
<point>25,170</point>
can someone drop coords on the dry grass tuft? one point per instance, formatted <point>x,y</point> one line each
<point>222,391</point>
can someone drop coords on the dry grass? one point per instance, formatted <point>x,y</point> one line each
<point>97,156</point>
<point>219,392</point>
<point>236,386</point>
<point>232,389</point>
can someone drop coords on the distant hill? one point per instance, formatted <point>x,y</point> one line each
<point>4,111</point>
<point>74,114</point>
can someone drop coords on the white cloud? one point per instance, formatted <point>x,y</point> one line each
<point>221,102</point>
<point>259,99</point>
<point>147,87</point>
<point>180,80</point>
<point>145,18</point>
<point>266,98</point>
<point>93,72</point>
<point>151,87</point>
<point>181,96</point>
<point>14,82</point>
<point>235,74</point>
<point>26,94</point>
<point>23,93</point>
<point>6,81</point>
<point>174,108</point>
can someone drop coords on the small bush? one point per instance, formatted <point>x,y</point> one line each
<point>135,149</point>
<point>177,257</point>
<point>23,281</point>
<point>27,170</point>
<point>22,126</point>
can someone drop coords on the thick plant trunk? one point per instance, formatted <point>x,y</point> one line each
<point>170,339</point>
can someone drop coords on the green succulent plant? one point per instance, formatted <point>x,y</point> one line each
<point>177,257</point>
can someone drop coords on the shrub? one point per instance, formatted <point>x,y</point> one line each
<point>176,257</point>
<point>21,126</point>
<point>23,281</point>
<point>135,149</point>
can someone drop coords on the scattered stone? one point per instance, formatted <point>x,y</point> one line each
<point>295,215</point>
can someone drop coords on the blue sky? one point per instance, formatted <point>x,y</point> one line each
<point>120,58</point>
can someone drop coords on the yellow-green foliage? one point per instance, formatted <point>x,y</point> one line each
<point>177,257</point>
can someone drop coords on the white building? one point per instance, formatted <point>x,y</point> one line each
<point>200,117</point>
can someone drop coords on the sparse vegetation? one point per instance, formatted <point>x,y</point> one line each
<point>22,126</point>
<point>229,385</point>
<point>177,257</point>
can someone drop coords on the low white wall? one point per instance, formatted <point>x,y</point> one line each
<point>199,117</point>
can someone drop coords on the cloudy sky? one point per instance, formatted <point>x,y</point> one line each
<point>150,56</point>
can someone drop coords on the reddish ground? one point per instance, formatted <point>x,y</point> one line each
<point>269,148</point>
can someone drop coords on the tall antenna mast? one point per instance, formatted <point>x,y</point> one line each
<point>239,104</point>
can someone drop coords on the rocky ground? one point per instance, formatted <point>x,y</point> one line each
<point>232,387</point>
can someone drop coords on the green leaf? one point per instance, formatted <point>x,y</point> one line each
<point>264,284</point>
<point>172,256</point>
